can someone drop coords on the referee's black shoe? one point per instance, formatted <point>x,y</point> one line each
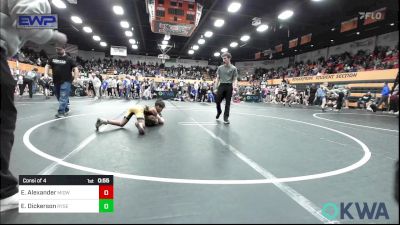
<point>226,121</point>
<point>218,114</point>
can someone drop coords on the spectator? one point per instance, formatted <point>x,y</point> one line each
<point>96,86</point>
<point>364,100</point>
<point>29,78</point>
<point>62,66</point>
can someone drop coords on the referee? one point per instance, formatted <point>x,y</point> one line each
<point>227,81</point>
<point>62,65</point>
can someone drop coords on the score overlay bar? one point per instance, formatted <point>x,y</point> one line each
<point>66,194</point>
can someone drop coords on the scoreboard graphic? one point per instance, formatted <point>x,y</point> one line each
<point>66,194</point>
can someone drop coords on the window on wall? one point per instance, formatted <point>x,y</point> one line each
<point>160,13</point>
<point>178,12</point>
<point>189,17</point>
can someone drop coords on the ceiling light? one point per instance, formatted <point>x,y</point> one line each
<point>217,54</point>
<point>262,28</point>
<point>135,46</point>
<point>224,50</point>
<point>201,41</point>
<point>76,19</point>
<point>312,46</point>
<point>87,29</point>
<point>191,52</point>
<point>163,47</point>
<point>59,4</point>
<point>124,24</point>
<point>164,42</point>
<point>234,7</point>
<point>358,33</point>
<point>128,33</point>
<point>333,29</point>
<point>103,44</point>
<point>167,37</point>
<point>118,10</point>
<point>285,15</point>
<point>219,23</point>
<point>132,41</point>
<point>245,38</point>
<point>208,34</point>
<point>392,24</point>
<point>195,47</point>
<point>234,44</point>
<point>331,40</point>
<point>96,38</point>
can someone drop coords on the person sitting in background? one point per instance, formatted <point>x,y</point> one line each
<point>45,82</point>
<point>210,96</point>
<point>364,100</point>
<point>236,96</point>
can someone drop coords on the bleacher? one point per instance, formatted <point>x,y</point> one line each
<point>357,90</point>
<point>110,71</point>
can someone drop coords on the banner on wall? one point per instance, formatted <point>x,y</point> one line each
<point>166,94</point>
<point>305,39</point>
<point>375,16</point>
<point>293,43</point>
<point>349,25</point>
<point>251,98</point>
<point>370,76</point>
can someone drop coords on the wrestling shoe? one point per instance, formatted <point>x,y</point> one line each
<point>100,122</point>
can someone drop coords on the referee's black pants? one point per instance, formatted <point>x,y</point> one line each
<point>224,92</point>
<point>8,118</point>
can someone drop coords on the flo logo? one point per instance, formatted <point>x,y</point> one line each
<point>372,15</point>
<point>350,210</point>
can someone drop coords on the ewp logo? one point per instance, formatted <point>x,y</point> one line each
<point>48,21</point>
<point>372,15</point>
<point>331,210</point>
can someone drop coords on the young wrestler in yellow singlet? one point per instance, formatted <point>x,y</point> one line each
<point>145,115</point>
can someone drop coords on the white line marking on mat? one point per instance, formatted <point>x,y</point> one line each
<point>293,194</point>
<point>358,125</point>
<point>53,167</point>
<point>361,162</point>
<point>333,141</point>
